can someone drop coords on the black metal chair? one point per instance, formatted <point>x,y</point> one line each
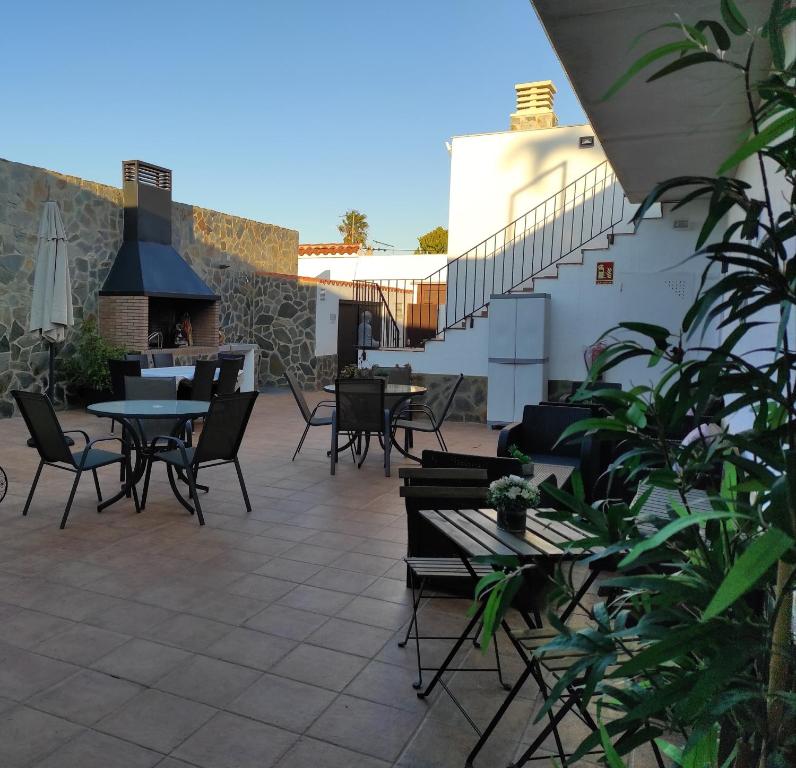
<point>394,374</point>
<point>229,368</point>
<point>203,379</point>
<point>50,441</point>
<point>162,359</point>
<point>151,388</point>
<point>142,357</point>
<point>121,369</point>
<point>439,573</point>
<point>425,417</point>
<point>360,410</point>
<point>219,442</point>
<point>310,419</point>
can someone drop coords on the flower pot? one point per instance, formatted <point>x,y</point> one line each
<point>527,469</point>
<point>512,517</point>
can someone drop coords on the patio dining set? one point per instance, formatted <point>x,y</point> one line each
<point>376,406</point>
<point>157,408</point>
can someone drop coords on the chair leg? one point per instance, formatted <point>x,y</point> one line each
<point>242,485</point>
<point>387,445</point>
<point>133,488</point>
<point>195,495</point>
<point>97,485</point>
<point>301,442</point>
<point>146,482</point>
<point>334,446</point>
<point>33,487</point>
<point>71,498</point>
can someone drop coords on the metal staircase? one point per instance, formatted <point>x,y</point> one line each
<point>414,311</point>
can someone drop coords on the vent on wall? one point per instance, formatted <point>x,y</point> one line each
<point>586,142</point>
<point>677,287</point>
<point>146,173</point>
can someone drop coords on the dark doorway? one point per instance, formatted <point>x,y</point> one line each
<point>350,315</point>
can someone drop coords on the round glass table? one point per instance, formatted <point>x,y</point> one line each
<point>400,391</point>
<point>150,409</point>
<point>130,413</point>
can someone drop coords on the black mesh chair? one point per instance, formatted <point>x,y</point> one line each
<point>229,368</point>
<point>394,374</point>
<point>142,357</point>
<point>203,379</point>
<point>162,359</point>
<point>309,415</point>
<point>428,417</point>
<point>50,441</point>
<point>120,369</point>
<point>360,410</point>
<point>152,388</point>
<point>219,442</point>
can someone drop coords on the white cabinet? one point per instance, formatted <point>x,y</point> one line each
<point>518,354</point>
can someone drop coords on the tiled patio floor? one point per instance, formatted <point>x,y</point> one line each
<point>267,639</point>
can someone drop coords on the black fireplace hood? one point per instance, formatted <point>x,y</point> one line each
<point>147,264</point>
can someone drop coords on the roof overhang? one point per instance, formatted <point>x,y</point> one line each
<point>684,124</point>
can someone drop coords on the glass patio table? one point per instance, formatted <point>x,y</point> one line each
<point>130,413</point>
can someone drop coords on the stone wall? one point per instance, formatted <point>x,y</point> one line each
<point>469,404</point>
<point>260,302</point>
<point>325,370</point>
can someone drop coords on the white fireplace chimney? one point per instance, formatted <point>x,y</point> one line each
<point>534,106</point>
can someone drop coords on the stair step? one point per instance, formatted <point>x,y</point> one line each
<point>547,272</point>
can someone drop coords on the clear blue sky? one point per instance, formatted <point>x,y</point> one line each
<point>286,111</point>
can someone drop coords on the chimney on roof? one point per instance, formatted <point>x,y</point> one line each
<point>534,106</point>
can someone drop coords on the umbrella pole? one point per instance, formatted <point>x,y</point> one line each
<point>51,376</point>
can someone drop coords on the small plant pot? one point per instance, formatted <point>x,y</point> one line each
<point>512,518</point>
<point>527,469</point>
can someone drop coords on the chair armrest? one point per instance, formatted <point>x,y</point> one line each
<point>511,434</point>
<point>78,431</point>
<point>323,404</point>
<point>96,440</point>
<point>90,444</point>
<point>169,439</point>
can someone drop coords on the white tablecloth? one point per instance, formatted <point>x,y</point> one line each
<point>179,372</point>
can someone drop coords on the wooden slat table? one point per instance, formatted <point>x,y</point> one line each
<point>475,533</point>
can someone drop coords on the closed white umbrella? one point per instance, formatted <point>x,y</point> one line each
<point>51,304</point>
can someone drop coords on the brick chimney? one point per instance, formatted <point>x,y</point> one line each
<point>534,106</point>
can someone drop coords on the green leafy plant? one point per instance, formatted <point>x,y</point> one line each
<point>353,371</point>
<point>87,367</point>
<point>706,593</point>
<point>434,241</point>
<point>516,453</point>
<point>354,227</point>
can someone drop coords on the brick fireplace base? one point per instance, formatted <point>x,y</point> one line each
<point>125,321</point>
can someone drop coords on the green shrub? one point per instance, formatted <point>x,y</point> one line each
<point>87,367</point>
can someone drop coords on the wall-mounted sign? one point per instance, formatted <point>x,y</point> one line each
<point>605,273</point>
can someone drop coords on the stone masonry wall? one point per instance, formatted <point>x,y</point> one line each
<point>469,404</point>
<point>260,302</point>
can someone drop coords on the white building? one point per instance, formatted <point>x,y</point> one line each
<point>545,208</point>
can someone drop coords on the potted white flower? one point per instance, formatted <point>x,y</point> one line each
<point>512,496</point>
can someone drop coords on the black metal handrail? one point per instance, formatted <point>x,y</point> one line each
<point>368,291</point>
<point>585,208</point>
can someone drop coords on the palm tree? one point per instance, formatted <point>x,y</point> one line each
<point>354,228</point>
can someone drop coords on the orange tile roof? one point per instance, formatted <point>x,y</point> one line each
<point>317,249</point>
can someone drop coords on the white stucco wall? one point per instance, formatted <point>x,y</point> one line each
<point>651,285</point>
<point>497,177</point>
<point>371,267</point>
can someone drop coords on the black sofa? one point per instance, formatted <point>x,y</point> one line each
<point>537,436</point>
